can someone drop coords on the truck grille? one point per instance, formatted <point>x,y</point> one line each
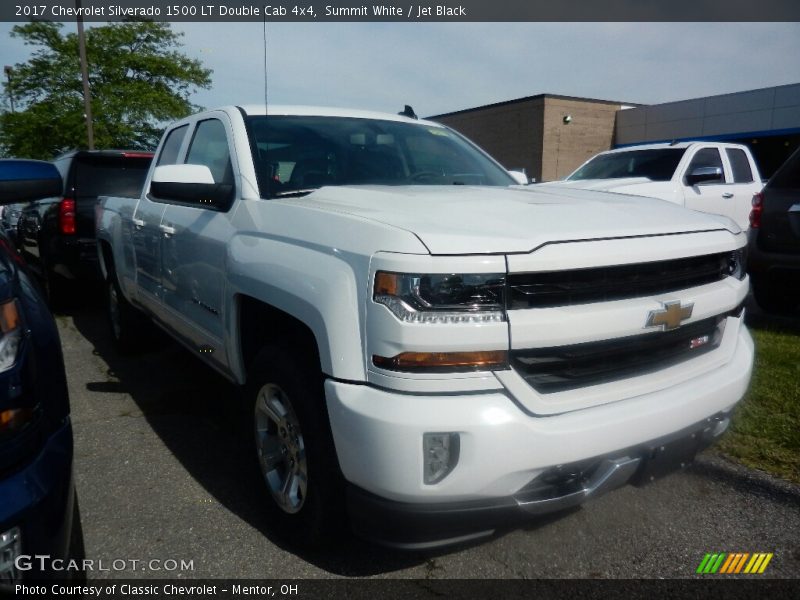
<point>564,368</point>
<point>603,284</point>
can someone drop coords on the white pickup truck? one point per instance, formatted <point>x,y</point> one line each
<point>423,346</point>
<point>712,177</point>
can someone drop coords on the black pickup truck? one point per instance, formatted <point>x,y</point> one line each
<point>774,263</point>
<point>56,235</point>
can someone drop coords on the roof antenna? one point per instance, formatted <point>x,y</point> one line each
<point>265,61</point>
<point>408,112</point>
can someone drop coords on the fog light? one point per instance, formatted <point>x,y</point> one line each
<point>440,451</point>
<point>10,549</point>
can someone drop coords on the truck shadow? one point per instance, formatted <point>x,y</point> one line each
<point>187,404</point>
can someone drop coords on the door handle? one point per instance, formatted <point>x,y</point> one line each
<point>167,229</point>
<point>138,222</point>
<point>727,195</point>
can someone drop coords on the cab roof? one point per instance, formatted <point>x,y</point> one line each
<point>327,111</point>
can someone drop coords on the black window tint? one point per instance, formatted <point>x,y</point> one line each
<point>739,165</point>
<point>210,148</point>
<point>169,151</point>
<point>788,176</point>
<point>110,176</point>
<point>706,157</point>
<point>656,165</point>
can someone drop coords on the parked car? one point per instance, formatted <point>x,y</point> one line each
<point>56,235</point>
<point>774,258</point>
<point>717,178</point>
<point>425,346</point>
<point>36,485</point>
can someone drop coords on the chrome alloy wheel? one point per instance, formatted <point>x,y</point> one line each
<point>280,447</point>
<point>114,311</point>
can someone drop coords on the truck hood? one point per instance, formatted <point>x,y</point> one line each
<point>486,220</point>
<point>602,185</point>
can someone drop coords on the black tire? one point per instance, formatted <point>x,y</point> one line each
<point>77,549</point>
<point>772,298</point>
<point>126,324</point>
<point>305,516</point>
<point>54,287</point>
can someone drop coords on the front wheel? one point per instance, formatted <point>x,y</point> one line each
<point>293,445</point>
<point>280,446</point>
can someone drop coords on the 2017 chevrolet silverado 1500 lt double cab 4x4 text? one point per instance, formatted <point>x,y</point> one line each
<point>421,343</point>
<point>713,177</point>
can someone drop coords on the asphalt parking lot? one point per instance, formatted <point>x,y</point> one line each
<point>162,474</point>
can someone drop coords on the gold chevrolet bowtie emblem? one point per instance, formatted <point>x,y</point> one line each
<point>669,317</point>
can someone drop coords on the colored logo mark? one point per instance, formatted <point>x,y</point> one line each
<point>734,562</point>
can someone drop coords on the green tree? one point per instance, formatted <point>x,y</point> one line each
<point>139,80</point>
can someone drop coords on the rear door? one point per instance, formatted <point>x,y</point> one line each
<point>146,232</point>
<point>780,219</point>
<point>715,197</point>
<point>743,182</point>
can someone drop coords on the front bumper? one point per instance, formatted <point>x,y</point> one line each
<point>503,449</point>
<point>419,526</point>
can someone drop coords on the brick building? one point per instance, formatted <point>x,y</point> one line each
<point>550,135</point>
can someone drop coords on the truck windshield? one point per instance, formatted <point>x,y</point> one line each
<point>294,155</point>
<point>656,165</point>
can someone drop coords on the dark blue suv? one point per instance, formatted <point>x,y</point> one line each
<point>36,486</point>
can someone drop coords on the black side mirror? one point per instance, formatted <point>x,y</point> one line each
<point>705,175</point>
<point>23,180</point>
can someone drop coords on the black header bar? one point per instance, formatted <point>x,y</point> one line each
<point>410,11</point>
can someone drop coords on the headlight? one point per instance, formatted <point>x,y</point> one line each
<point>14,420</point>
<point>10,334</point>
<point>737,263</point>
<point>442,298</point>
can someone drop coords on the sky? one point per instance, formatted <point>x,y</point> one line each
<point>444,67</point>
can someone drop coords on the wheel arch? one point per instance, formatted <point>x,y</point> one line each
<point>261,324</point>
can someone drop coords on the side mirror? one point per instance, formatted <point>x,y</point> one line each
<point>26,180</point>
<point>705,175</point>
<point>190,184</point>
<point>520,177</point>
